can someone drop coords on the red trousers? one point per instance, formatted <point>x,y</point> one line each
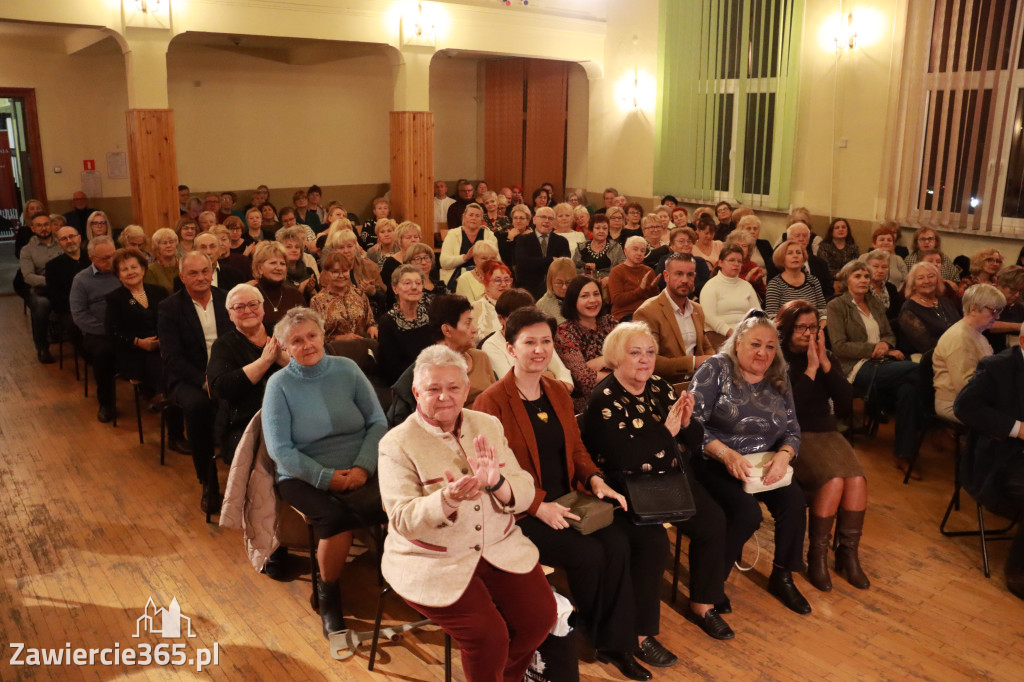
<point>499,621</point>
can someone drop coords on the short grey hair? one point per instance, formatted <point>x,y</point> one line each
<point>403,270</point>
<point>635,239</point>
<point>96,241</point>
<point>981,296</point>
<point>789,230</point>
<point>188,254</point>
<point>521,208</point>
<point>295,233</point>
<point>437,355</point>
<point>240,289</point>
<point>614,348</point>
<point>876,254</point>
<point>294,318</point>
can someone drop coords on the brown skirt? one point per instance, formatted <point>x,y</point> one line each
<point>824,456</point>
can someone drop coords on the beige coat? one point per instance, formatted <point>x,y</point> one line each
<point>249,499</point>
<point>428,558</point>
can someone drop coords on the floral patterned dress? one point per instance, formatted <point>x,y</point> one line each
<point>349,313</point>
<point>576,345</point>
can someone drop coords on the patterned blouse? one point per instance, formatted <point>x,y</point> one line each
<point>603,260</point>
<point>501,224</point>
<point>747,418</point>
<point>834,257</point>
<point>576,345</point>
<point>349,313</point>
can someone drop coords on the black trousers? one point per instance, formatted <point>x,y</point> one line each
<point>1013,489</point>
<point>39,310</point>
<point>99,351</point>
<point>614,575</point>
<point>200,414</point>
<point>743,515</point>
<point>707,533</point>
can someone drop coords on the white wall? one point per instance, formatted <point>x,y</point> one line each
<point>252,120</point>
<point>81,98</point>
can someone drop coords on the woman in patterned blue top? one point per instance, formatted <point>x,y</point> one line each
<point>744,400</point>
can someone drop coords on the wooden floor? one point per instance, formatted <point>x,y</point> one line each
<point>93,527</point>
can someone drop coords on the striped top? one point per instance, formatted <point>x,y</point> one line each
<point>781,292</point>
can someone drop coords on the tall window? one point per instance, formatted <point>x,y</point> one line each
<point>962,160</point>
<point>727,100</point>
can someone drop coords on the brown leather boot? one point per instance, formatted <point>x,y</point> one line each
<point>819,532</point>
<point>848,532</point>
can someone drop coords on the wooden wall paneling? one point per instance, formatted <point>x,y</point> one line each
<point>412,169</point>
<point>152,168</point>
<point>503,122</point>
<point>547,84</point>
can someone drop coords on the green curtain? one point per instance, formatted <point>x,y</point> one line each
<point>727,99</point>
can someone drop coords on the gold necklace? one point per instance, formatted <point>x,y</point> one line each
<point>541,414</point>
<point>279,298</point>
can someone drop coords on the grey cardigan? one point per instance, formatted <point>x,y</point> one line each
<point>846,330</point>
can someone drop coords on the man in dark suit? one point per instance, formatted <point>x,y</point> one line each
<point>992,406</point>
<point>189,322</point>
<point>465,190</point>
<point>79,213</point>
<point>536,250</point>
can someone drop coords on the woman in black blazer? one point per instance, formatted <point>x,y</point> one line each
<point>131,321</point>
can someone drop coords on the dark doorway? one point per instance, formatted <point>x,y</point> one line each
<point>21,163</point>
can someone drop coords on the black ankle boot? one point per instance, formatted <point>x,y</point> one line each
<point>780,584</point>
<point>330,606</point>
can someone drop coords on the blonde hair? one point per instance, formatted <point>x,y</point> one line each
<point>779,255</point>
<point>910,287</point>
<point>746,220</point>
<point>405,228</point>
<point>164,233</point>
<point>563,267</point>
<point>336,239</point>
<point>614,348</point>
<point>977,260</point>
<point>521,208</point>
<point>264,251</point>
<point>131,231</point>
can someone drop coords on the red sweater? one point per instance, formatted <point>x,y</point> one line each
<point>624,288</point>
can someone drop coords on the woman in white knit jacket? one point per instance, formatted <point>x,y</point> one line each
<point>727,297</point>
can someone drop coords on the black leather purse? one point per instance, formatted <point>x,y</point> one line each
<point>655,499</point>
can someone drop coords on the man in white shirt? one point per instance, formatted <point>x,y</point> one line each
<point>190,320</point>
<point>441,203</point>
<point>676,322</point>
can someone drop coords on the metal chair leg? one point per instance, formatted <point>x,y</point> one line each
<point>85,372</point>
<point>447,657</point>
<point>138,409</point>
<point>211,481</point>
<point>314,568</point>
<point>376,625</point>
<point>675,567</point>
<point>984,548</point>
<point>113,421</point>
<point>163,432</point>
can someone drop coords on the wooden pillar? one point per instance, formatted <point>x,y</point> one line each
<point>412,169</point>
<point>153,167</point>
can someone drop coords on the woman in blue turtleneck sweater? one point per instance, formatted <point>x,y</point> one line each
<point>322,424</point>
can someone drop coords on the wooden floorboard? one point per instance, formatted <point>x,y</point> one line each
<point>92,526</point>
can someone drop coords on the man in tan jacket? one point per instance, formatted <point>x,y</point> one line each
<point>676,322</point>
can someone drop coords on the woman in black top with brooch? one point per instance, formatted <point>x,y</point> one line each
<point>131,321</point>
<point>635,423</point>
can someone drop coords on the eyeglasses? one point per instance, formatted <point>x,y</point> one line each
<point>502,280</point>
<point>993,260</point>
<point>99,222</point>
<point>925,239</point>
<point>251,305</point>
<point>995,311</point>
<point>805,328</point>
<point>560,283</point>
<point>422,258</point>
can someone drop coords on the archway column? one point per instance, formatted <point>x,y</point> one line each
<point>411,146</point>
<point>152,160</point>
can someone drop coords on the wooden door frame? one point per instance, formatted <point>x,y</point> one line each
<point>35,148</point>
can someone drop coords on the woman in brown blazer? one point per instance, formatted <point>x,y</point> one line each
<point>614,573</point>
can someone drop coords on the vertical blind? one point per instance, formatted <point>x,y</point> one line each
<point>961,162</point>
<point>727,100</point>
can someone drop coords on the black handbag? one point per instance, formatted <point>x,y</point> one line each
<point>655,499</point>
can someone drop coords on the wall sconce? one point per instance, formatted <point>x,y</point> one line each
<point>636,91</point>
<point>147,6</point>
<point>418,30</point>
<point>846,36</point>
